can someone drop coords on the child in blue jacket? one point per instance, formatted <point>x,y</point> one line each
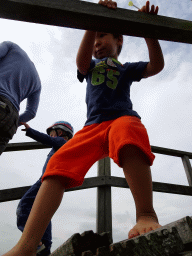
<point>58,134</point>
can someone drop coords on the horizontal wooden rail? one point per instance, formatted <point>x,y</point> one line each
<point>25,146</point>
<point>170,152</point>
<point>38,145</point>
<point>16,193</point>
<point>85,15</point>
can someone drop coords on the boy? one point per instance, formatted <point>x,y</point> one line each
<point>112,128</point>
<point>19,80</point>
<point>58,134</point>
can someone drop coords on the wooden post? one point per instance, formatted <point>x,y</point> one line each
<point>104,206</point>
<point>188,169</point>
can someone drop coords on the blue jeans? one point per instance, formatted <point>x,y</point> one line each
<point>23,211</point>
<point>8,122</point>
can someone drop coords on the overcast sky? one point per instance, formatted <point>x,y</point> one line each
<point>164,102</point>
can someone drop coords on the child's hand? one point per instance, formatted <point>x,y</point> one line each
<point>109,3</point>
<point>26,126</point>
<point>145,8</point>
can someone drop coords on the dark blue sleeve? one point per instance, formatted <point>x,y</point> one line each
<point>135,70</point>
<point>55,142</point>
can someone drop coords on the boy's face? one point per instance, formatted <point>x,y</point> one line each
<point>106,46</point>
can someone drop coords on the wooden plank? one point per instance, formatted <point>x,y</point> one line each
<point>172,188</point>
<point>170,152</point>
<point>38,145</point>
<point>104,204</point>
<point>83,244</point>
<point>157,186</point>
<point>103,181</point>
<point>12,193</point>
<point>25,146</point>
<point>171,239</point>
<point>85,15</point>
<point>188,169</point>
<point>16,193</point>
<point>104,167</point>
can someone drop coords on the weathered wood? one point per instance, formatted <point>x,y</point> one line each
<point>37,145</point>
<point>84,244</point>
<point>188,169</point>
<point>85,15</point>
<point>25,146</point>
<point>16,193</point>
<point>172,188</point>
<point>12,193</point>
<point>104,167</point>
<point>101,182</point>
<point>157,186</point>
<point>171,239</point>
<point>170,152</point>
<point>104,205</point>
<point>188,253</point>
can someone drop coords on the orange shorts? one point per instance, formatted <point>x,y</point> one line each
<point>73,160</point>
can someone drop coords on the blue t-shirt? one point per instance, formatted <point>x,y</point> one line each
<point>108,89</point>
<point>19,79</point>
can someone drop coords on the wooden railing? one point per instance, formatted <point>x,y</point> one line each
<point>104,182</point>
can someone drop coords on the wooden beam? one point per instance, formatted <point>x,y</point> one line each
<point>170,152</point>
<point>12,193</point>
<point>16,193</point>
<point>85,15</point>
<point>104,203</point>
<point>157,186</point>
<point>25,146</point>
<point>37,145</point>
<point>102,181</point>
<point>188,169</point>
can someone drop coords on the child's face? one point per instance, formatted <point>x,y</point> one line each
<point>53,133</point>
<point>105,46</point>
<point>59,132</point>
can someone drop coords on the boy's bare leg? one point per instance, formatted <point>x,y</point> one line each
<point>138,175</point>
<point>46,203</point>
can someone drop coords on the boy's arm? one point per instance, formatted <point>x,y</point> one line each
<point>156,60</point>
<point>85,52</point>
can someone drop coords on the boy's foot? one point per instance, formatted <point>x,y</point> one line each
<point>144,225</point>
